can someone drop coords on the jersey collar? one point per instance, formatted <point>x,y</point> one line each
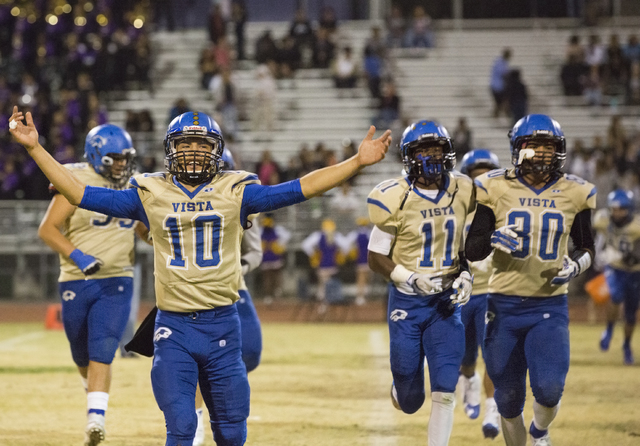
<point>441,192</point>
<point>542,189</point>
<point>186,191</point>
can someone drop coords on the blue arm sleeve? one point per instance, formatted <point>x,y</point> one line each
<point>259,198</point>
<point>116,203</point>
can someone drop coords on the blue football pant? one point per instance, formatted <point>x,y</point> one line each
<point>422,326</point>
<point>527,333</point>
<point>624,287</point>
<point>202,347</point>
<point>94,315</point>
<point>251,332</point>
<point>473,316</point>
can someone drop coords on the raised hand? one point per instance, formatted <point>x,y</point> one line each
<point>372,150</point>
<point>27,135</point>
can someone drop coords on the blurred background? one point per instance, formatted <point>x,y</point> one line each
<point>294,85</point>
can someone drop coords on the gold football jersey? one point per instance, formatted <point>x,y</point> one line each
<point>618,241</point>
<point>106,238</point>
<point>544,218</point>
<point>196,239</point>
<point>428,231</point>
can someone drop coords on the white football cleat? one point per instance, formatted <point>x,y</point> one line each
<point>94,433</point>
<point>471,396</point>
<point>491,422</point>
<point>394,397</point>
<point>542,441</point>
<point>199,438</point>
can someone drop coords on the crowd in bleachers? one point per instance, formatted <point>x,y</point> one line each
<point>605,74</point>
<point>59,61</point>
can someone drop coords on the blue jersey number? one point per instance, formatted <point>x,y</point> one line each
<point>426,230</point>
<point>98,221</point>
<point>551,230</point>
<point>208,233</point>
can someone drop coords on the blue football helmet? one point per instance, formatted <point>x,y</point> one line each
<point>426,134</point>
<point>620,198</point>
<point>105,144</point>
<point>537,127</point>
<point>479,158</point>
<point>228,162</point>
<point>193,125</point>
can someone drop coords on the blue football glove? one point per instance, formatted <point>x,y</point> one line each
<point>570,269</point>
<point>504,239</point>
<point>87,264</point>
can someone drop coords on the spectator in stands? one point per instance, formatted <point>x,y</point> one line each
<point>419,33</point>
<point>301,30</point>
<point>575,48</point>
<point>181,106</point>
<point>223,54</point>
<point>632,49</point>
<point>274,247</point>
<point>224,98</point>
<point>359,242</point>
<point>217,25</point>
<point>264,97</point>
<point>633,92</point>
<point>345,70</point>
<point>345,203</point>
<point>9,180</point>
<point>499,72</point>
<point>323,50</point>
<point>604,178</point>
<point>389,108</point>
<point>374,55</point>
<point>615,70</point>
<point>163,12</point>
<point>616,135</point>
<point>266,49</point>
<point>462,138</point>
<point>208,66</point>
<point>289,58</point>
<point>396,27</point>
<point>239,19</point>
<point>328,20</point>
<point>516,95</point>
<point>574,76</point>
<point>583,161</point>
<point>268,170</point>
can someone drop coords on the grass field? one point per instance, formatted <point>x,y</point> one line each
<point>318,384</point>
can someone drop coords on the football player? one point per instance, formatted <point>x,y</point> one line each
<point>96,268</point>
<point>416,243</point>
<point>196,214</point>
<point>620,229</point>
<point>525,215</point>
<point>473,315</point>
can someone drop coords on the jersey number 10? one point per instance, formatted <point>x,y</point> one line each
<point>206,231</point>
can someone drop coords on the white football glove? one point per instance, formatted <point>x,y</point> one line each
<point>462,287</point>
<point>570,269</point>
<point>504,239</point>
<point>421,283</point>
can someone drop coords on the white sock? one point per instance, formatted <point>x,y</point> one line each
<point>515,434</point>
<point>441,420</point>
<point>490,402</point>
<point>85,383</point>
<point>543,416</point>
<point>97,402</point>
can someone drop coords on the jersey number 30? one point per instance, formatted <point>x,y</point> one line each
<point>206,231</point>
<point>551,229</point>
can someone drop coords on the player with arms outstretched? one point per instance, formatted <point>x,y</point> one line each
<point>620,228</point>
<point>196,214</point>
<point>527,214</point>
<point>96,268</point>
<point>474,164</point>
<point>416,244</point>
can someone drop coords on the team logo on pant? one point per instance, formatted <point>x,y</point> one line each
<point>397,315</point>
<point>161,333</point>
<point>489,317</point>
<point>68,295</point>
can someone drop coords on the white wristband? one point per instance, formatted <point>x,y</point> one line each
<point>401,275</point>
<point>584,262</point>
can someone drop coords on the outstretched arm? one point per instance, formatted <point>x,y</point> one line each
<point>370,152</point>
<point>63,180</point>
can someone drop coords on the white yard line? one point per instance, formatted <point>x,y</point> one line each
<point>382,411</point>
<point>10,344</point>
